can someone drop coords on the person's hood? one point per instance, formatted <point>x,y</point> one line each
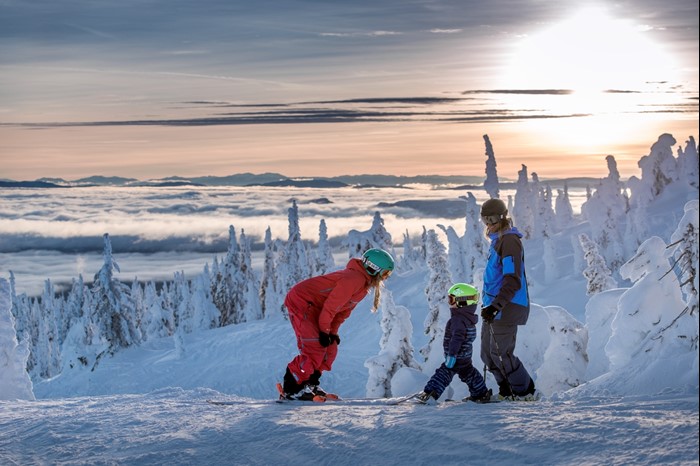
<point>466,312</point>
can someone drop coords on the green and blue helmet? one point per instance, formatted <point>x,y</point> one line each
<point>377,261</point>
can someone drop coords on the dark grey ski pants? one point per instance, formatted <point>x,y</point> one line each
<point>503,339</point>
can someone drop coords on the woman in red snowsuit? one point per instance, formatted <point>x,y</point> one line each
<point>317,307</point>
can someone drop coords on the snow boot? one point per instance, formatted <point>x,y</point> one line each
<point>425,397</point>
<point>313,384</point>
<point>483,398</point>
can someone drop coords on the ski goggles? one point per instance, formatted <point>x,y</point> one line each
<point>491,219</point>
<point>454,300</point>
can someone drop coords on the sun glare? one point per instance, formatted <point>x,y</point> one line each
<point>589,52</point>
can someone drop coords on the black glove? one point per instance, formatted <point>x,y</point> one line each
<point>488,313</point>
<point>324,339</point>
<point>335,338</point>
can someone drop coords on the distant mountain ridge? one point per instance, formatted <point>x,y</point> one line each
<point>279,180</point>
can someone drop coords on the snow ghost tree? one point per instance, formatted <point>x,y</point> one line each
<point>652,322</point>
<point>688,164</point>
<point>684,250</point>
<point>228,282</point>
<point>563,209</point>
<point>605,211</point>
<point>15,382</point>
<point>491,182</point>
<point>659,167</point>
<point>395,348</point>
<point>524,205</point>
<point>566,354</point>
<point>324,255</point>
<point>293,263</point>
<point>473,242</point>
<point>597,273</point>
<point>376,237</point>
<point>270,299</point>
<point>113,313</point>
<point>439,281</point>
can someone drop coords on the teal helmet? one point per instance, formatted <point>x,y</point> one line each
<point>377,261</point>
<point>463,294</point>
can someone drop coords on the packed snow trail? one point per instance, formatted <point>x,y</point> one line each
<point>178,427</point>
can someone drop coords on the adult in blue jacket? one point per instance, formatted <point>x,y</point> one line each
<point>505,303</point>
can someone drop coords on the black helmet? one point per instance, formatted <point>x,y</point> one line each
<point>493,211</point>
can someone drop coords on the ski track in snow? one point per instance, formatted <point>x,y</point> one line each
<point>174,426</point>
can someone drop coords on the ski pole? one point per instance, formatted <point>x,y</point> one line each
<point>500,358</point>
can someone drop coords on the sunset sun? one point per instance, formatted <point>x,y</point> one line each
<point>588,52</point>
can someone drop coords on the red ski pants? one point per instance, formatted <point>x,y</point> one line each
<point>312,356</point>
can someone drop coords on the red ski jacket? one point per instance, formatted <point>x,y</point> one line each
<point>330,298</point>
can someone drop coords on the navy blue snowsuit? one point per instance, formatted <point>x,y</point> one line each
<point>460,333</point>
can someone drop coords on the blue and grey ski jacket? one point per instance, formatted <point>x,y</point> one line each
<point>505,284</point>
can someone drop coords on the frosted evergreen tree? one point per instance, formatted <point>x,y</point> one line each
<point>524,205</point>
<point>226,282</point>
<point>456,256</point>
<point>684,251</point>
<point>376,237</point>
<point>597,272</point>
<point>474,242</point>
<point>15,383</point>
<point>439,281</point>
<point>636,228</point>
<point>395,348</point>
<point>180,296</point>
<point>248,282</point>
<point>651,311</point>
<point>293,265</point>
<point>204,314</point>
<point>566,355</point>
<point>270,299</point>
<point>410,258</point>
<point>324,256</point>
<point>491,185</point>
<point>604,211</point>
<point>113,311</point>
<point>155,324</point>
<point>688,163</point>
<point>47,349</point>
<point>73,308</point>
<point>659,167</point>
<point>563,209</point>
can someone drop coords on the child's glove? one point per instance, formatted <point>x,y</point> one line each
<point>335,338</point>
<point>450,362</point>
<point>324,339</point>
<point>488,313</point>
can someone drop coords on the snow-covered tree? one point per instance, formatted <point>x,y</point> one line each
<point>293,261</point>
<point>524,205</point>
<point>227,282</point>
<point>15,382</point>
<point>474,242</point>
<point>324,256</point>
<point>112,314</point>
<point>439,281</point>
<point>156,322</point>
<point>684,250</point>
<point>605,211</point>
<point>411,256</point>
<point>688,164</point>
<point>563,209</point>
<point>566,354</point>
<point>395,348</point>
<point>270,299</point>
<point>250,308</point>
<point>659,167</point>
<point>648,307</point>
<point>597,272</point>
<point>491,185</point>
<point>376,237</point>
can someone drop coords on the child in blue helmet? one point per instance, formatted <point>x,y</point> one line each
<point>460,333</point>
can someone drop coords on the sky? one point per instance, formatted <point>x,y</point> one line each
<point>310,88</point>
